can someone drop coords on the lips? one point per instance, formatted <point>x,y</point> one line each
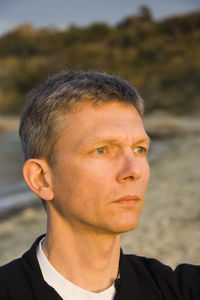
<point>129,200</point>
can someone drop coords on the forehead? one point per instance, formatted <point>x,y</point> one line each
<point>89,124</point>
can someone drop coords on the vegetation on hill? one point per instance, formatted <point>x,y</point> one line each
<point>160,58</point>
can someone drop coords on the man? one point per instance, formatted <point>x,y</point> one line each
<point>85,153</point>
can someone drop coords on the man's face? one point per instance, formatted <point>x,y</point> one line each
<point>101,171</point>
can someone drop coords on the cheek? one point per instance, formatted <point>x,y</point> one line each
<point>96,183</point>
<point>83,179</point>
<point>94,179</point>
<point>85,183</point>
<point>97,172</point>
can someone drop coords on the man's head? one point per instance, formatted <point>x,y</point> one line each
<point>88,154</point>
<point>42,117</point>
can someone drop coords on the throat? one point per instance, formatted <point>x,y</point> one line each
<point>91,264</point>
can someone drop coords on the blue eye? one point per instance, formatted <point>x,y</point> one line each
<point>141,150</point>
<point>100,150</point>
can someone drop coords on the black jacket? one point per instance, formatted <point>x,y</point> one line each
<point>140,278</point>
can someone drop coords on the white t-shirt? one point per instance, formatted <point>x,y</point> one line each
<point>66,289</point>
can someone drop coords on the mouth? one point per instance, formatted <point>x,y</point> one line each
<point>129,200</point>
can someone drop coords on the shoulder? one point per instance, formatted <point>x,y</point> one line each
<point>19,273</point>
<point>148,278</point>
<point>150,265</point>
<point>9,270</point>
<point>18,266</point>
<point>184,280</point>
<point>152,269</point>
<point>10,278</point>
<point>188,272</point>
<point>189,280</point>
<point>157,274</point>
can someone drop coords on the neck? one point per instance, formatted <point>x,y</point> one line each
<point>90,260</point>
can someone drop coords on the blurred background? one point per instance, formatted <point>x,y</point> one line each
<point>153,44</point>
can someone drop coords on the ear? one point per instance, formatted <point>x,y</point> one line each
<point>37,174</point>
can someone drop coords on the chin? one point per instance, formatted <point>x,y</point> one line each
<point>126,225</point>
<point>126,228</point>
<point>124,219</point>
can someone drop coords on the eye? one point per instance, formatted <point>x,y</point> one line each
<point>141,150</point>
<point>100,150</point>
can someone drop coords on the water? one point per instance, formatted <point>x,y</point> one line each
<point>13,191</point>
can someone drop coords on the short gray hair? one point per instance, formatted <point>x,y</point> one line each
<point>47,105</point>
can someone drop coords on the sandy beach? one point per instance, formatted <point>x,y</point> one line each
<point>169,228</point>
<point>9,123</point>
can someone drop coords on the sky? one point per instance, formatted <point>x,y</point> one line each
<point>63,13</point>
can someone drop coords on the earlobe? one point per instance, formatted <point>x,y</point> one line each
<point>37,175</point>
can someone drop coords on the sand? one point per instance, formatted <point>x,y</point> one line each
<point>9,123</point>
<point>169,228</point>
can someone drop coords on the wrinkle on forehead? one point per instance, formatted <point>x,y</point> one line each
<point>112,121</point>
<point>129,133</point>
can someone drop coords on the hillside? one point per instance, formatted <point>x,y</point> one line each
<point>160,58</point>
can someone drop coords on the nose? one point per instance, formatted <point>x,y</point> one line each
<point>131,168</point>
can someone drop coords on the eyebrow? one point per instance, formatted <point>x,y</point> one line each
<point>116,141</point>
